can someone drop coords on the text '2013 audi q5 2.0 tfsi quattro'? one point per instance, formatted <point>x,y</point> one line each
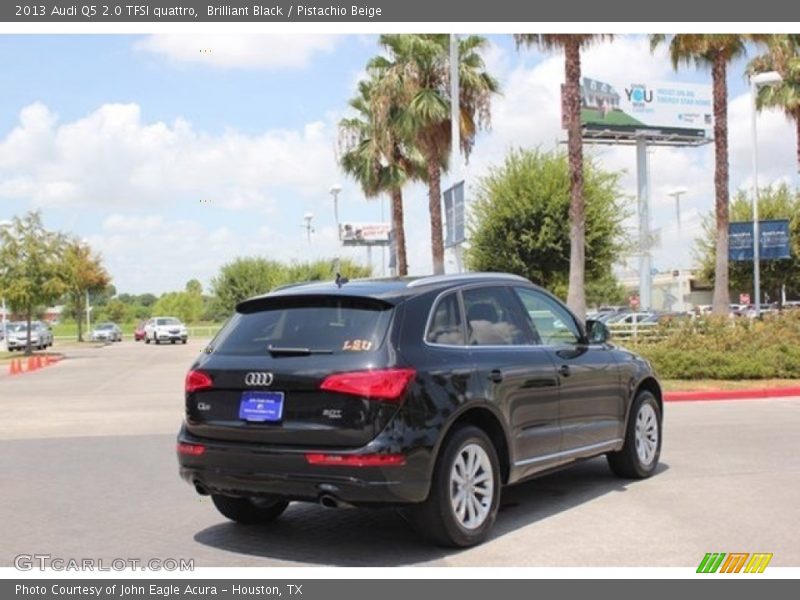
<point>428,394</point>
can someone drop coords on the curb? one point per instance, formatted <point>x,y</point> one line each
<point>754,394</point>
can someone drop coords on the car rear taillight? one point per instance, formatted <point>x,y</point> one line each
<point>196,381</point>
<point>190,449</point>
<point>380,384</point>
<point>356,460</point>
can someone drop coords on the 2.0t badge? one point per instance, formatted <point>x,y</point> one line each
<point>258,378</point>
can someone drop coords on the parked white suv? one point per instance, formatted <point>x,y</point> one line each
<point>165,329</point>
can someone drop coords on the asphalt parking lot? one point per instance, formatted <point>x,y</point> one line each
<point>89,470</point>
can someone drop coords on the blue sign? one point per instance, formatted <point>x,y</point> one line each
<point>454,209</point>
<point>774,243</point>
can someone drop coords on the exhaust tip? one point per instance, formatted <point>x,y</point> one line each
<point>328,501</point>
<point>201,489</point>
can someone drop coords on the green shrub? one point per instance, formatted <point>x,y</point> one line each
<point>726,349</point>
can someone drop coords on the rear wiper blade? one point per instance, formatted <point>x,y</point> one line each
<point>275,350</point>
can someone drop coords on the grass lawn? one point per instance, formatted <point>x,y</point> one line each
<point>702,385</point>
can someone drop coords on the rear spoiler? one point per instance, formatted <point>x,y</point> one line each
<point>333,299</point>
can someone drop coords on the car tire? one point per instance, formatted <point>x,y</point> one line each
<point>249,511</point>
<point>438,518</point>
<point>146,340</point>
<point>155,339</point>
<point>172,341</point>
<point>638,458</point>
<point>183,341</point>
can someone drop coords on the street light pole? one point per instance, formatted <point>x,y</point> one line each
<point>334,191</point>
<point>756,82</point>
<point>307,217</point>
<point>677,193</point>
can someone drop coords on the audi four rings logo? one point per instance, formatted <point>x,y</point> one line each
<point>258,378</point>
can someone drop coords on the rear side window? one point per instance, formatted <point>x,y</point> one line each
<point>338,325</point>
<point>446,325</point>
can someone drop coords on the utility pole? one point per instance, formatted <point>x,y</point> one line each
<point>643,195</point>
<point>88,314</point>
<point>455,129</point>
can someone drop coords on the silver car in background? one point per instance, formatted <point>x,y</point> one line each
<point>41,335</point>
<point>107,332</point>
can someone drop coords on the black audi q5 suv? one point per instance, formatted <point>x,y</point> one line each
<point>428,394</point>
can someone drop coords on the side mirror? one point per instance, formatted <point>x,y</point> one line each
<point>597,332</point>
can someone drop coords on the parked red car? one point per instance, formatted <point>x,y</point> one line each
<point>138,333</point>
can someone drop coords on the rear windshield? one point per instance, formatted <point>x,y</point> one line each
<point>335,325</point>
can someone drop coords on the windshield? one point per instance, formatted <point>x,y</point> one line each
<point>334,325</point>
<point>106,326</point>
<point>168,321</point>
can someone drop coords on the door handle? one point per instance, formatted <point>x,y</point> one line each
<point>496,375</point>
<point>564,371</point>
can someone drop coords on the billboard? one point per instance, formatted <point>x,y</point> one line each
<point>364,234</point>
<point>774,241</point>
<point>635,105</point>
<point>454,219</point>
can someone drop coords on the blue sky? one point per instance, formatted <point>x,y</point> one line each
<point>118,138</point>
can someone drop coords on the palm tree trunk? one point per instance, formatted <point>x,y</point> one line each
<point>435,208</point>
<point>576,296</point>
<point>399,232</point>
<point>721,299</point>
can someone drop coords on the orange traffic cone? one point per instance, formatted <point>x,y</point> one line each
<point>14,367</point>
<point>31,363</point>
<point>39,363</point>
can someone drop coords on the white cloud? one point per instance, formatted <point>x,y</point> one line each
<point>247,51</point>
<point>152,253</point>
<point>112,157</point>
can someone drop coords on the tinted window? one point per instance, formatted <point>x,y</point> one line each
<point>445,325</point>
<point>494,318</point>
<point>552,323</point>
<point>341,325</point>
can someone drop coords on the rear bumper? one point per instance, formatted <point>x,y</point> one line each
<point>238,469</point>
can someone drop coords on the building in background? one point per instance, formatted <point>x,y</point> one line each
<point>679,290</point>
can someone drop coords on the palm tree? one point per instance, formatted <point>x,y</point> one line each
<point>571,45</point>
<point>783,56</point>
<point>716,51</point>
<point>415,80</point>
<point>374,156</point>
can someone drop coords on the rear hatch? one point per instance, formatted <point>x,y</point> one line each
<point>261,378</point>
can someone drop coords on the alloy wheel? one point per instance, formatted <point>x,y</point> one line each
<point>646,434</point>
<point>471,486</point>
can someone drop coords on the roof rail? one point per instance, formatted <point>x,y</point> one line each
<point>432,279</point>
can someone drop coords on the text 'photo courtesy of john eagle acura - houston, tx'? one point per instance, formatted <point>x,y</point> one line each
<point>428,395</point>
